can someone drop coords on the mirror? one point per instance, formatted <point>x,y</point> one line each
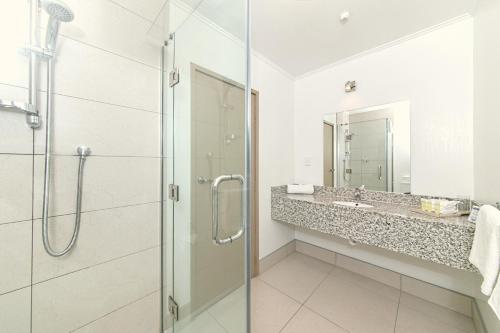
<point>370,147</point>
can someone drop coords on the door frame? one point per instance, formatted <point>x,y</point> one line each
<point>255,183</point>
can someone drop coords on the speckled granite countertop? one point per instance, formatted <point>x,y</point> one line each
<point>389,224</point>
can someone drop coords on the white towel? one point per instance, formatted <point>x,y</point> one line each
<point>300,189</point>
<point>494,300</point>
<point>485,253</point>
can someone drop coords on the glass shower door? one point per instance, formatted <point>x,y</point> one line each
<point>207,285</point>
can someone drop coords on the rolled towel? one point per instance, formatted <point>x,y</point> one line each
<point>299,189</point>
<point>485,252</point>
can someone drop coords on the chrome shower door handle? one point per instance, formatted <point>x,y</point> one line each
<point>379,172</point>
<point>215,209</point>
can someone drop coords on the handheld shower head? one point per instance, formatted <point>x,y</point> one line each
<point>58,12</point>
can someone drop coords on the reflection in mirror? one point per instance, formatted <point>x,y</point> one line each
<point>370,147</point>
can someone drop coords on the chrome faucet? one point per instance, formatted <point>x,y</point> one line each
<point>358,191</point>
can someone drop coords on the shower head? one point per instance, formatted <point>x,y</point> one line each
<point>58,12</point>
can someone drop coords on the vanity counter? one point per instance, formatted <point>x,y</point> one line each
<point>389,224</point>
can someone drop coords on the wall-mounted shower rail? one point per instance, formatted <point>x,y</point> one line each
<point>30,108</point>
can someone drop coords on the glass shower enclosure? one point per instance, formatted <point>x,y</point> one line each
<point>124,166</point>
<point>206,168</point>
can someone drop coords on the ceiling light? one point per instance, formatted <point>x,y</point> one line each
<point>350,86</point>
<point>344,16</point>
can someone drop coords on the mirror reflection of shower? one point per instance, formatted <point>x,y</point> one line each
<point>210,178</point>
<point>229,135</point>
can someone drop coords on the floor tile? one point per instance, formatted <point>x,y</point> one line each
<point>271,309</point>
<point>230,311</point>
<point>307,321</point>
<point>412,321</point>
<point>434,312</point>
<point>351,305</point>
<point>297,275</point>
<point>366,283</point>
<point>202,323</point>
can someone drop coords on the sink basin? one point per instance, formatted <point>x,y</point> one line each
<point>352,204</point>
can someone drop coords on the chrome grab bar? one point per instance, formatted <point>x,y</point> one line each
<point>215,209</point>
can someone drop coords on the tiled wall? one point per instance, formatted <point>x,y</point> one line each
<point>107,96</point>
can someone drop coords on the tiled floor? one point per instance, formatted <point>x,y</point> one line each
<point>304,295</point>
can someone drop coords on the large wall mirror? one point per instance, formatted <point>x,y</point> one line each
<point>408,124</point>
<point>368,147</point>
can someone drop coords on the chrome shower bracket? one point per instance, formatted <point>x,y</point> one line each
<point>32,116</point>
<point>41,52</point>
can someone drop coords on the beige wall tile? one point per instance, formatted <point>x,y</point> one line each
<point>440,313</point>
<point>435,294</point>
<point>275,257</point>
<point>108,182</point>
<point>104,235</point>
<point>477,319</point>
<point>15,187</point>
<point>142,316</point>
<point>106,129</point>
<point>379,274</point>
<point>73,300</point>
<point>15,255</point>
<point>122,32</point>
<point>98,75</point>
<point>15,311</point>
<point>16,136</point>
<point>411,321</point>
<point>148,9</point>
<point>316,252</point>
<point>14,65</point>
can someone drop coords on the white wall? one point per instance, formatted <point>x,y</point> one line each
<point>487,103</point>
<point>434,72</point>
<point>107,84</point>
<point>275,147</point>
<point>487,116</point>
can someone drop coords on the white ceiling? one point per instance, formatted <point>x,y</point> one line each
<point>304,35</point>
